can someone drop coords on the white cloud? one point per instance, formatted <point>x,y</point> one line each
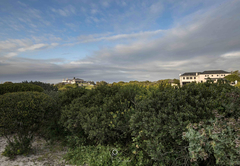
<point>23,4</point>
<point>80,62</point>
<point>156,8</point>
<point>66,11</point>
<point>231,55</point>
<point>94,11</point>
<point>37,46</point>
<point>105,3</point>
<point>32,47</point>
<point>12,47</point>
<point>11,54</point>
<point>140,35</point>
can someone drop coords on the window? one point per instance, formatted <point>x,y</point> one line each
<point>187,77</point>
<point>221,75</point>
<point>184,78</point>
<point>194,77</point>
<point>205,75</point>
<point>217,75</point>
<point>201,81</point>
<point>190,77</point>
<point>212,75</point>
<point>224,74</point>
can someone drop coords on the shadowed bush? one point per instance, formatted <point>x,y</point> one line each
<point>18,87</point>
<point>23,113</point>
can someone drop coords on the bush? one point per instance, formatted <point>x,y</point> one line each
<point>220,137</point>
<point>104,155</point>
<point>103,113</point>
<point>68,96</point>
<point>159,120</point>
<point>60,85</point>
<point>18,87</point>
<point>7,82</point>
<point>147,121</point>
<point>45,86</point>
<point>52,130</point>
<point>23,113</point>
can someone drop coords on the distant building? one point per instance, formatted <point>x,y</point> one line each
<point>172,83</point>
<point>73,81</point>
<point>77,80</point>
<point>201,77</point>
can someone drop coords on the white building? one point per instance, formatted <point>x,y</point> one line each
<point>201,77</point>
<point>73,81</point>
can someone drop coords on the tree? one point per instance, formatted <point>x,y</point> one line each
<point>232,77</point>
<point>45,86</point>
<point>23,113</point>
<point>176,81</point>
<point>101,83</point>
<point>7,82</point>
<point>235,73</point>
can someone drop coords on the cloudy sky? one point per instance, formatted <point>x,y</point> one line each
<point>116,40</point>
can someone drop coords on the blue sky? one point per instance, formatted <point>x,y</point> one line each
<point>116,40</point>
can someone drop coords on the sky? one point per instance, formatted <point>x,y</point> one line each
<point>116,40</point>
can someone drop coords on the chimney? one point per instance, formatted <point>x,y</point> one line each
<point>196,74</point>
<point>74,78</point>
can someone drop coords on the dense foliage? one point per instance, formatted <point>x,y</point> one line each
<point>151,118</point>
<point>7,82</point>
<point>147,123</point>
<point>18,87</point>
<point>232,77</point>
<point>218,139</point>
<point>22,114</point>
<point>45,86</point>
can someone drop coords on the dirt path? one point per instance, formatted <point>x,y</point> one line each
<point>44,155</point>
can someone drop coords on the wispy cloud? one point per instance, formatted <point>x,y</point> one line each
<point>206,39</point>
<point>231,55</point>
<point>21,3</point>
<point>11,54</point>
<point>12,47</point>
<point>101,37</point>
<point>66,11</point>
<point>36,47</point>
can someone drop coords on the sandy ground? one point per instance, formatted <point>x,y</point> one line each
<point>43,155</point>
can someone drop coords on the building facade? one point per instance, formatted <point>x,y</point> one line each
<point>73,81</point>
<point>201,77</point>
<point>78,81</point>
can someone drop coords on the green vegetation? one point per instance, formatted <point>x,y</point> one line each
<point>23,113</point>
<point>143,123</point>
<point>67,86</point>
<point>19,87</point>
<point>233,76</point>
<point>8,82</point>
<point>45,86</point>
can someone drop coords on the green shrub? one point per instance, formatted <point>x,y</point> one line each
<point>23,113</point>
<point>147,120</point>
<point>45,86</point>
<point>220,137</point>
<point>52,130</point>
<point>19,87</point>
<point>159,120</point>
<point>68,96</point>
<point>104,155</point>
<point>103,113</point>
<point>8,82</point>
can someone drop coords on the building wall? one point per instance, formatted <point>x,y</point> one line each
<point>200,78</point>
<point>191,78</point>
